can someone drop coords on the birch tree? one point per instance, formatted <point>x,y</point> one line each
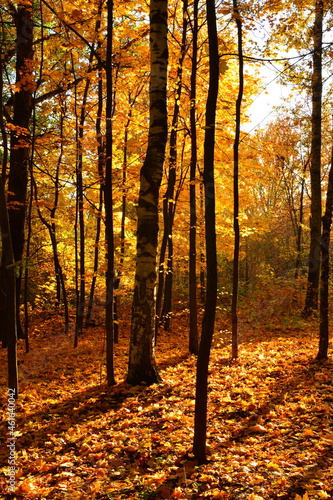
<point>141,357</point>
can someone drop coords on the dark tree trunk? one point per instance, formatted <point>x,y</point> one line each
<point>80,304</point>
<point>325,270</point>
<point>26,272</point>
<point>235,277</point>
<point>20,139</point>
<point>108,201</point>
<point>311,301</point>
<point>202,274</point>
<point>194,335</point>
<point>100,168</point>
<point>299,226</point>
<point>167,305</point>
<point>142,365</point>
<point>2,126</point>
<point>8,299</point>
<point>200,418</point>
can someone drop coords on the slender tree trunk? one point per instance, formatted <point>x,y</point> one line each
<point>61,286</point>
<point>2,127</point>
<point>194,335</point>
<point>100,168</point>
<point>20,138</point>
<point>108,201</point>
<point>26,272</point>
<point>169,197</point>
<point>202,274</point>
<point>325,270</point>
<point>122,223</point>
<point>167,305</point>
<point>80,192</point>
<point>8,317</point>
<point>311,301</point>
<point>142,365</point>
<point>235,278</point>
<point>299,226</point>
<point>200,418</point>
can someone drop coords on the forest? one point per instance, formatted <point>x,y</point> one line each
<point>165,249</point>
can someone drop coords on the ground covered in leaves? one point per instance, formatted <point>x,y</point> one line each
<point>270,420</point>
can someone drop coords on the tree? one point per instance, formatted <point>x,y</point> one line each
<point>108,201</point>
<point>100,171</point>
<point>236,185</point>
<point>193,337</point>
<point>311,301</point>
<point>20,135</point>
<point>200,418</point>
<point>141,357</point>
<point>325,269</point>
<point>8,298</point>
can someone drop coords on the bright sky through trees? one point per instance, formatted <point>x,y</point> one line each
<point>272,95</point>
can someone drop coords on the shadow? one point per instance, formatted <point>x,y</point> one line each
<point>58,417</point>
<point>283,386</point>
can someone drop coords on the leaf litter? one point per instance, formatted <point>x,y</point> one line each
<point>270,425</point>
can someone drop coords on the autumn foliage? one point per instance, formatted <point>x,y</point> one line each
<point>121,175</point>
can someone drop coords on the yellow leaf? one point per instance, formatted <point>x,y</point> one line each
<point>272,466</point>
<point>323,494</point>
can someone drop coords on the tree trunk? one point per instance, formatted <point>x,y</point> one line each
<point>235,277</point>
<point>194,335</point>
<point>325,270</point>
<point>20,138</point>
<point>80,305</point>
<point>200,418</point>
<point>100,169</point>
<point>300,226</point>
<point>2,125</point>
<point>108,201</point>
<point>311,301</point>
<point>7,279</point>
<point>202,274</point>
<point>141,358</point>
<point>167,304</point>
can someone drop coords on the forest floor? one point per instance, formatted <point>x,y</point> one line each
<point>270,429</point>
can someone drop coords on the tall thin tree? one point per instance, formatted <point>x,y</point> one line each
<point>142,366</point>
<point>311,301</point>
<point>20,135</point>
<point>8,297</point>
<point>194,335</point>
<point>108,202</point>
<point>325,269</point>
<point>200,418</point>
<point>100,170</point>
<point>235,278</point>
